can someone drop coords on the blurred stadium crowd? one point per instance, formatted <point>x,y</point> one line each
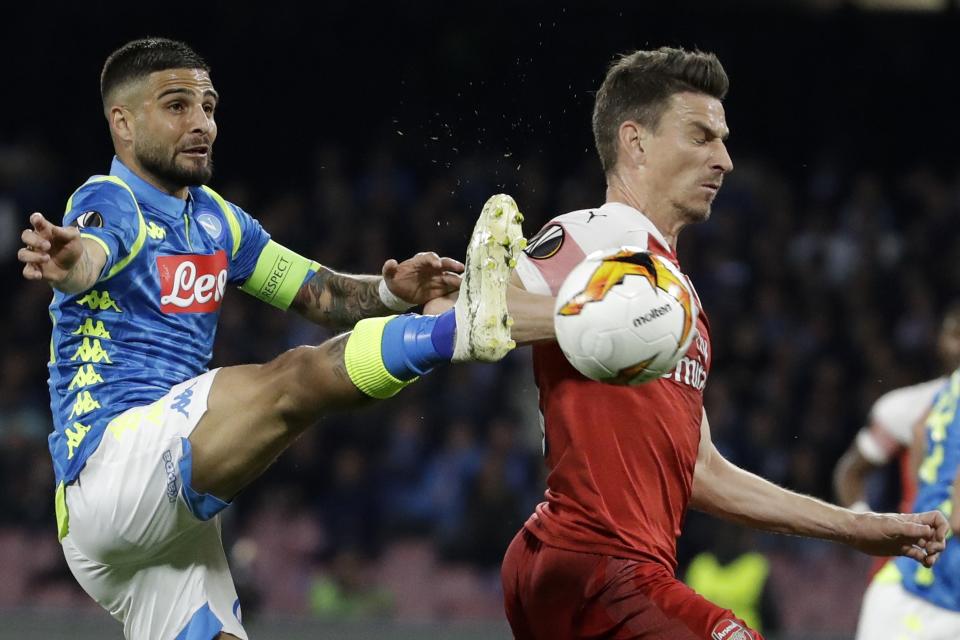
<point>823,274</point>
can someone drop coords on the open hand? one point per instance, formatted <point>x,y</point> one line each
<point>921,536</point>
<point>423,277</point>
<point>50,252</point>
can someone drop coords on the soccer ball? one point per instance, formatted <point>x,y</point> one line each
<point>625,316</point>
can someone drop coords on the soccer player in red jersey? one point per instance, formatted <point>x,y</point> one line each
<point>598,556</point>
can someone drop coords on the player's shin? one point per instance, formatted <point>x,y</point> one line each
<point>383,355</point>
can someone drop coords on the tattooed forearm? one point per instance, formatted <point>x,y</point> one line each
<point>81,276</point>
<point>337,300</point>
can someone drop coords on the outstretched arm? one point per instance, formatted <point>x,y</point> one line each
<point>59,256</point>
<point>532,313</point>
<point>726,491</point>
<point>339,300</point>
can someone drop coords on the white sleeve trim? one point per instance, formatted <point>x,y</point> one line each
<point>533,281</point>
<point>870,449</point>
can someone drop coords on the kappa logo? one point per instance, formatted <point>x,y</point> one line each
<point>182,400</point>
<point>155,231</point>
<point>99,301</point>
<point>85,403</point>
<point>90,350</point>
<point>86,376</point>
<point>75,437</point>
<point>730,630</point>
<point>192,283</point>
<point>211,224</point>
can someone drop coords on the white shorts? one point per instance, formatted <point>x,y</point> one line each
<point>890,612</point>
<point>141,542</point>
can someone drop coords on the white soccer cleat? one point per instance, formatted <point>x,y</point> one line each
<point>483,324</point>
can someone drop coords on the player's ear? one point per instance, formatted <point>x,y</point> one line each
<point>631,138</point>
<point>121,123</point>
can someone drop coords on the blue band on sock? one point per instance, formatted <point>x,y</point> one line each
<point>443,334</point>
<point>407,347</point>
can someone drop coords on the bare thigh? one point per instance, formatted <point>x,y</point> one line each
<point>254,412</point>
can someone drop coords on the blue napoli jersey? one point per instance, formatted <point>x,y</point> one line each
<point>941,584</point>
<point>150,321</point>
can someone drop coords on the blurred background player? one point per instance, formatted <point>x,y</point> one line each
<point>148,446</point>
<point>735,575</point>
<point>597,559</point>
<point>906,601</point>
<point>889,432</point>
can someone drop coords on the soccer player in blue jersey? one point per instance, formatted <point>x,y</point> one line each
<point>148,446</point>
<point>907,601</point>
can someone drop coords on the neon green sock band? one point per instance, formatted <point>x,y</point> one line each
<point>364,360</point>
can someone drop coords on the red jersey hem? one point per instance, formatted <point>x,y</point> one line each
<point>593,548</point>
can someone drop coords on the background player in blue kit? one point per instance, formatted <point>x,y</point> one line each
<point>148,447</point>
<point>907,601</point>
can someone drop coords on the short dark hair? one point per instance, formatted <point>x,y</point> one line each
<point>638,86</point>
<point>140,58</point>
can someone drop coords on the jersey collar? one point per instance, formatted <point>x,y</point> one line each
<point>647,224</point>
<point>148,194</point>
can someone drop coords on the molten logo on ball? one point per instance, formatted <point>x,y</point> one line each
<point>625,263</point>
<point>621,329</point>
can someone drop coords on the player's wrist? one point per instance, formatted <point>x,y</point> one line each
<point>79,276</point>
<point>391,300</point>
<point>858,529</point>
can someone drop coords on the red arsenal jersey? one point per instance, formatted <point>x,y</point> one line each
<point>620,459</point>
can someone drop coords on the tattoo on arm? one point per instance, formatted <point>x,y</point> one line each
<point>81,276</point>
<point>337,300</point>
<point>337,351</point>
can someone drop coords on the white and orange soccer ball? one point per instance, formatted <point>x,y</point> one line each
<point>625,316</point>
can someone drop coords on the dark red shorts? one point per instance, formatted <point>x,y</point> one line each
<point>553,594</point>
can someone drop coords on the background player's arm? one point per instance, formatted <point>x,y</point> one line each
<point>726,491</point>
<point>59,256</point>
<point>850,477</point>
<point>339,300</point>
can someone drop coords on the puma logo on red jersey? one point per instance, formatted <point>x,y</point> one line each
<point>192,283</point>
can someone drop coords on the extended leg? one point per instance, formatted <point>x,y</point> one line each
<point>255,411</point>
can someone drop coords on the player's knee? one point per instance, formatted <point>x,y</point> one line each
<point>306,379</point>
<point>290,376</point>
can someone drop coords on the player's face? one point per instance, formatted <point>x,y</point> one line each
<point>176,128</point>
<point>686,158</point>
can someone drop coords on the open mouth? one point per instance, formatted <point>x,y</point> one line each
<point>199,151</point>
